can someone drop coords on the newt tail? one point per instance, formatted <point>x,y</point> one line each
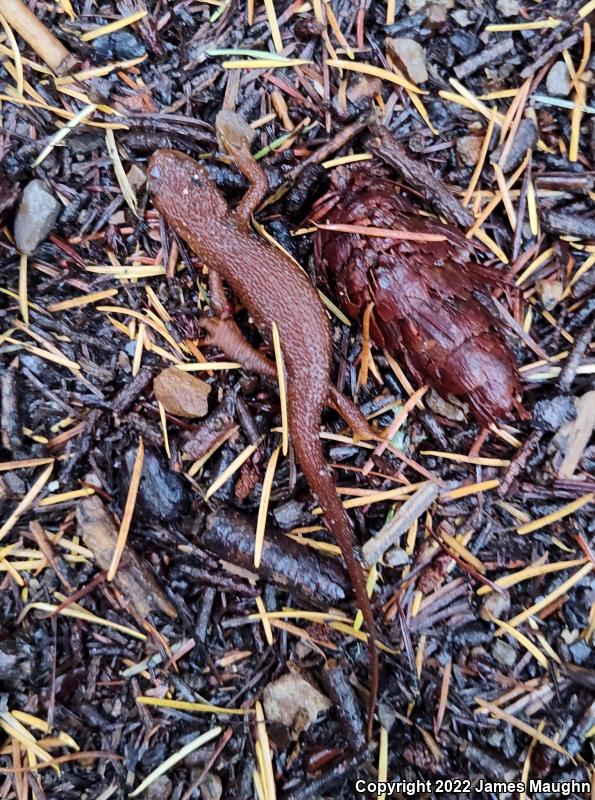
<point>274,290</point>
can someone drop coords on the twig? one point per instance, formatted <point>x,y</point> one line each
<point>37,36</point>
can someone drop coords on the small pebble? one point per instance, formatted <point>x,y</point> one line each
<point>504,653</point>
<point>412,58</point>
<point>290,696</point>
<point>508,8</point>
<point>550,292</point>
<point>495,605</point>
<point>36,216</point>
<point>558,80</point>
<point>182,394</point>
<point>468,148</point>
<point>551,414</point>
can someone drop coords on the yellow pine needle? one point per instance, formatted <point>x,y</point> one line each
<point>117,25</point>
<point>274,25</point>
<point>570,508</point>
<point>332,21</point>
<point>64,497</point>
<point>200,462</point>
<point>176,757</point>
<point>586,9</point>
<point>338,162</point>
<point>67,7</point>
<point>462,551</point>
<point>376,497</point>
<point>27,501</point>
<point>23,303</point>
<point>576,116</point>
<point>185,705</point>
<point>231,470</point>
<point>128,511</point>
<point>533,571</point>
<point>266,625</point>
<point>32,721</point>
<point>157,326</point>
<point>267,484</point>
<point>461,458</point>
<point>6,466</point>
<point>375,72</point>
<point>475,102</point>
<point>360,636</point>
<point>163,420</point>
<point>99,72</point>
<point>474,488</point>
<point>491,244</point>
<point>499,95</point>
<point>522,726</point>
<point>78,612</point>
<point>15,730</point>
<point>83,300</point>
<point>383,760</point>
<point>16,54</point>
<point>508,207</point>
<point>258,787</point>
<point>541,259</point>
<point>532,209</point>
<point>561,590</point>
<point>121,177</point>
<point>261,734</point>
<point>522,640</point>
<point>265,63</point>
<point>482,157</point>
<point>537,25</point>
<point>124,272</point>
<point>59,112</point>
<point>370,584</point>
<point>138,349</point>
<point>64,131</point>
<point>205,366</point>
<point>419,656</point>
<point>585,267</point>
<point>309,616</point>
<point>416,603</point>
<point>282,389</point>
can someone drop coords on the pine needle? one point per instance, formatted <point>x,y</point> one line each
<point>121,177</point>
<point>263,740</point>
<point>561,590</point>
<point>128,511</point>
<point>231,470</point>
<point>274,25</point>
<point>482,157</point>
<point>353,158</point>
<point>267,485</point>
<point>185,705</point>
<point>461,458</point>
<point>16,54</point>
<point>533,571</point>
<point>266,625</point>
<point>375,72</point>
<point>548,519</point>
<point>282,389</point>
<point>64,131</point>
<point>77,612</point>
<point>176,757</point>
<point>27,501</point>
<point>117,25</point>
<point>522,640</point>
<point>522,726</point>
<point>383,760</point>
<point>23,300</point>
<point>536,25</point>
<point>474,488</point>
<point>82,300</point>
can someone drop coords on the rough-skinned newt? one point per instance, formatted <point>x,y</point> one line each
<point>274,290</point>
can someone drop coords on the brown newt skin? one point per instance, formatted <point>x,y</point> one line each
<point>274,290</point>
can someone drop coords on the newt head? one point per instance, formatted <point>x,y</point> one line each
<point>178,185</point>
<point>233,132</point>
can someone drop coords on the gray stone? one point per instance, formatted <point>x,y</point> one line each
<point>508,8</point>
<point>558,80</point>
<point>412,58</point>
<point>504,653</point>
<point>36,216</point>
<point>495,605</point>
